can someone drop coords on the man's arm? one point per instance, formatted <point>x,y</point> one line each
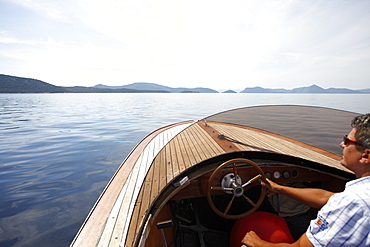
<point>252,240</point>
<point>315,198</point>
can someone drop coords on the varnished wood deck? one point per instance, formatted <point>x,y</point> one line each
<point>117,217</point>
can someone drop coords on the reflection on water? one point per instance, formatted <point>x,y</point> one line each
<point>58,151</point>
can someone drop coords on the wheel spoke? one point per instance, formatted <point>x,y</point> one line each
<point>221,188</point>
<point>252,180</point>
<point>235,170</point>
<point>229,205</point>
<point>249,200</point>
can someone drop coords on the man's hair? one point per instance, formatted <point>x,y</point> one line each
<point>362,125</point>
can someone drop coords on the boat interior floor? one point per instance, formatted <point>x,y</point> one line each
<point>196,224</point>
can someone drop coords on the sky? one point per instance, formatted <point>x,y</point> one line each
<point>216,44</point>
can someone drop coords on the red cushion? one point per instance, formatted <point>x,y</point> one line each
<point>268,227</point>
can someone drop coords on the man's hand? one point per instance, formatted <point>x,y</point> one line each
<point>251,239</point>
<point>272,187</point>
<point>312,197</point>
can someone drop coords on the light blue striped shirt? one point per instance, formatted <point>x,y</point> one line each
<point>345,219</point>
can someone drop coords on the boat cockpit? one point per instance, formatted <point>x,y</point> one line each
<point>201,205</point>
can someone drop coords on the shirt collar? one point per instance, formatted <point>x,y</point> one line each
<point>358,181</point>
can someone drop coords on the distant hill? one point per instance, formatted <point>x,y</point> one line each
<point>106,90</point>
<point>13,84</point>
<point>310,89</point>
<point>157,87</point>
<point>262,90</point>
<point>229,91</point>
<point>345,90</point>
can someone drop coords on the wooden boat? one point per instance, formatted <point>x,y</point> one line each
<point>186,184</point>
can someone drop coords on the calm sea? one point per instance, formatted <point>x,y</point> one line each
<point>58,151</point>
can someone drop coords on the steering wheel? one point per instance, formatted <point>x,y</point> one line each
<point>232,184</point>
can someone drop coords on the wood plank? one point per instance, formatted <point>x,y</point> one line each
<point>156,178</point>
<point>168,163</point>
<point>185,151</point>
<point>198,147</point>
<point>148,184</point>
<point>189,148</point>
<point>179,158</point>
<point>163,169</point>
<point>189,138</point>
<point>174,159</point>
<point>183,160</point>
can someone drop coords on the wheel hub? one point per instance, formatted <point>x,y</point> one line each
<point>233,183</point>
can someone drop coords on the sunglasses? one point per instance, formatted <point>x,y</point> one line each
<point>347,141</point>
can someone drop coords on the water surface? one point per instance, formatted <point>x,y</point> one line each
<point>58,151</point>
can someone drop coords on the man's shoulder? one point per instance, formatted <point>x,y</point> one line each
<point>357,194</point>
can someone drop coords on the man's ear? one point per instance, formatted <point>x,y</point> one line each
<point>366,157</point>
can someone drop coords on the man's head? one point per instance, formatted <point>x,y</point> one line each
<point>356,147</point>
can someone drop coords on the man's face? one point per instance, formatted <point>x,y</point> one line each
<point>351,154</point>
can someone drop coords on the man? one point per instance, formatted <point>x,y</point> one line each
<point>344,218</point>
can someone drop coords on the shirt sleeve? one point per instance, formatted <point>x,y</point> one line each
<point>343,221</point>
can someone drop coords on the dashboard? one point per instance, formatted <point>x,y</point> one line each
<point>278,172</point>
